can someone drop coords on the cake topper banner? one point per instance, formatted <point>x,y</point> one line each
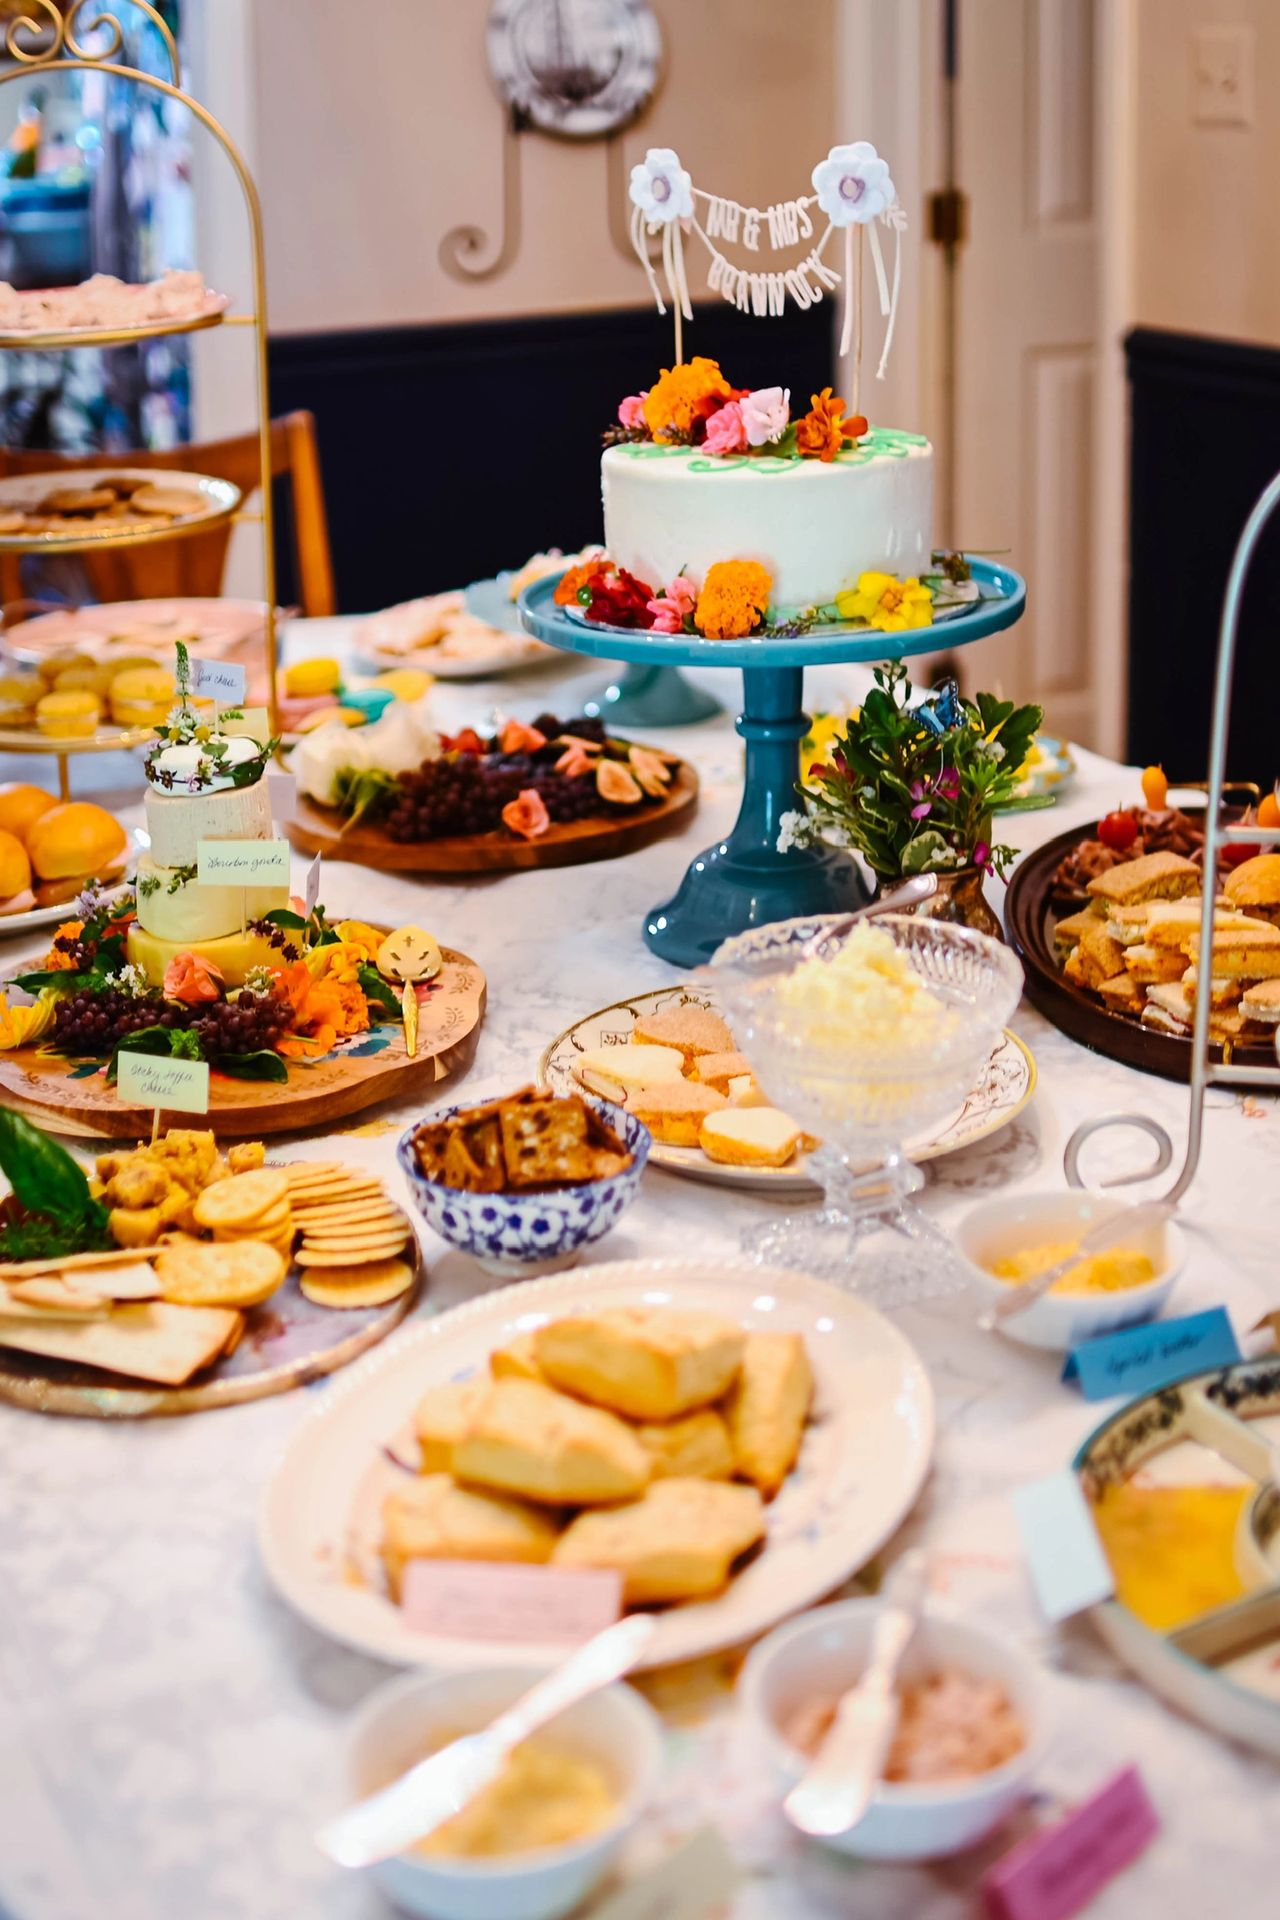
<point>852,189</point>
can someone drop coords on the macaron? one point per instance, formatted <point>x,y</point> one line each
<point>68,716</point>
<point>406,683</point>
<point>306,677</point>
<point>372,702</point>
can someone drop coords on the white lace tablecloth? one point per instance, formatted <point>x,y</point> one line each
<point>169,1730</point>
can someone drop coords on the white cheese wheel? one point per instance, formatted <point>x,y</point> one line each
<point>190,912</point>
<point>177,822</point>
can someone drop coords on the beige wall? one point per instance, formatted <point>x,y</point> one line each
<point>1206,236</point>
<point>365,160</point>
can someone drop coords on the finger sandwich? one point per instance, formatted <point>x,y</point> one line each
<point>691,1029</point>
<point>1153,876</point>
<point>1255,885</point>
<point>749,1137</point>
<point>1261,1001</point>
<point>674,1111</point>
<point>616,1071</point>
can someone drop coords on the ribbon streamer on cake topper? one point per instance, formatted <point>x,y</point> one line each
<point>854,189</point>
<point>662,197</point>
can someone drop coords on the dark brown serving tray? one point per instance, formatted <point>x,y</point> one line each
<point>1030,915</point>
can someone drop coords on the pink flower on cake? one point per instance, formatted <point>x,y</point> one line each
<point>191,978</point>
<point>631,410</point>
<point>676,603</point>
<point>765,414</point>
<point>726,430</point>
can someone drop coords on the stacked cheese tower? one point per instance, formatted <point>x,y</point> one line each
<point>210,788</point>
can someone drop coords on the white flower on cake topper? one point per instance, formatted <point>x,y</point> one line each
<point>852,184</point>
<point>661,188</point>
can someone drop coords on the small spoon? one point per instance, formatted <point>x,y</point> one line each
<point>920,887</point>
<point>1117,1226</point>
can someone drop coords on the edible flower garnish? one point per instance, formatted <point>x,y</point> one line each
<point>683,397</point>
<point>822,432</point>
<point>527,814</point>
<point>886,603</point>
<point>733,601</point>
<point>517,738</point>
<point>672,610</point>
<point>190,978</point>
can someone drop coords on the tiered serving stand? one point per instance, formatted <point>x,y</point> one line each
<point>85,37</point>
<point>744,881</point>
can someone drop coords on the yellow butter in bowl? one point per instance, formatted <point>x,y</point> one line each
<point>1109,1272</point>
<point>545,1796</point>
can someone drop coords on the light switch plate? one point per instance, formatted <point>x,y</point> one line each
<point>1222,60</point>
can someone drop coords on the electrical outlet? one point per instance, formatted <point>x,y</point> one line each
<point>1222,77</point>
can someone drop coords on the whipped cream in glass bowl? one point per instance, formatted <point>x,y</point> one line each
<point>869,1037</point>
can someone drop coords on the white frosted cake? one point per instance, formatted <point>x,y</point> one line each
<point>815,525</point>
<point>193,796</point>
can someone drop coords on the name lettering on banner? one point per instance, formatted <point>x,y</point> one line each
<point>1065,1558</point>
<point>1055,1873</point>
<point>311,893</point>
<point>222,680</point>
<point>481,1600</point>
<point>1140,1359</point>
<point>242,863</point>
<point>175,1086</point>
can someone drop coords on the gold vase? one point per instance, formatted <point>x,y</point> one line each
<point>961,900</point>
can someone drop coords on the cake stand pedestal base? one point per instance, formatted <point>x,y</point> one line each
<point>651,697</point>
<point>744,881</point>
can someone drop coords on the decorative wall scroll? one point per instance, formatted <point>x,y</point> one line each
<point>853,193</point>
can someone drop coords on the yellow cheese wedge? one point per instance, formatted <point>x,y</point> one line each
<point>233,955</point>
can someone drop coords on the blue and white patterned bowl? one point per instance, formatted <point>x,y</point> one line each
<point>527,1233</point>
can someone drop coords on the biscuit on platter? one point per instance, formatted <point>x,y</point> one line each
<point>523,1437</point>
<point>516,1361</point>
<point>694,1447</point>
<point>432,1519</point>
<point>767,1407</point>
<point>440,1419</point>
<point>677,1543</point>
<point>650,1363</point>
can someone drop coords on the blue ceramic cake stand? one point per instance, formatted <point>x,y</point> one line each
<point>744,881</point>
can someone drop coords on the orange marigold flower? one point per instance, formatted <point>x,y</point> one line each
<point>733,600</point>
<point>822,431</point>
<point>683,396</point>
<point>58,959</point>
<point>324,1011</point>
<point>575,578</point>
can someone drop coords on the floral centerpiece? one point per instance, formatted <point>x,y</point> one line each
<point>192,754</point>
<point>912,787</point>
<point>324,991</point>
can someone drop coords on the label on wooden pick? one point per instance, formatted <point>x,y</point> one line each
<point>1065,1558</point>
<point>242,863</point>
<point>1056,1872</point>
<point>311,892</point>
<point>221,680</point>
<point>695,1881</point>
<point>482,1600</point>
<point>174,1086</point>
<point>246,723</point>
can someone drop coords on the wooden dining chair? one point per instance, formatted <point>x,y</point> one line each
<point>194,565</point>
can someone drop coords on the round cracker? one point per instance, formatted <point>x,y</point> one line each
<point>346,1256</point>
<point>260,1229</point>
<point>215,1274</point>
<point>369,1209</point>
<point>326,1290</point>
<point>242,1199</point>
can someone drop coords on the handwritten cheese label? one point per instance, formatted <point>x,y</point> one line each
<point>481,1600</point>
<point>220,680</point>
<point>311,893</point>
<point>242,863</point>
<point>172,1086</point>
<point>1140,1359</point>
<point>1055,1873</point>
<point>246,723</point>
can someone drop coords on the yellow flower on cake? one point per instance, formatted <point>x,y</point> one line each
<point>885,602</point>
<point>683,395</point>
<point>733,601</point>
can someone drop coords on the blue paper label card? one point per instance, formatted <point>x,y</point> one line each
<point>1140,1359</point>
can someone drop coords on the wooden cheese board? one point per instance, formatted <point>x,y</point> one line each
<point>72,1097</point>
<point>314,829</point>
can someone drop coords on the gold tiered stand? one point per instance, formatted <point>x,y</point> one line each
<point>87,37</point>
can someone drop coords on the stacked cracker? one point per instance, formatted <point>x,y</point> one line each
<point>1136,946</point>
<point>353,1236</point>
<point>531,1140</point>
<point>641,1439</point>
<point>682,1075</point>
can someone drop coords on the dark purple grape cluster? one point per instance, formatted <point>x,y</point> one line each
<point>447,797</point>
<point>581,729</point>
<point>250,1023</point>
<point>94,1022</point>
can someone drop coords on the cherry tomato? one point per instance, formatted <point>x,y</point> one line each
<point>1155,788</point>
<point>1118,831</point>
<point>1269,811</point>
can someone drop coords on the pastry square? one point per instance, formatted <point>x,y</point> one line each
<point>678,1543</point>
<point>650,1363</point>
<point>516,1361</point>
<point>440,1420</point>
<point>767,1407</point>
<point>694,1447</point>
<point>432,1519</point>
<point>523,1437</point>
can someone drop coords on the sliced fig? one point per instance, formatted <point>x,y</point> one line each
<point>617,784</point>
<point>651,771</point>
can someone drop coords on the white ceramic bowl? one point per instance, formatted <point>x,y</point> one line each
<point>402,1721</point>
<point>823,1652</point>
<point>1061,1321</point>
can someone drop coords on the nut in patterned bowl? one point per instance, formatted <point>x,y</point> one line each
<point>524,1234</point>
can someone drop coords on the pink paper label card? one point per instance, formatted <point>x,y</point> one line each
<point>1058,1871</point>
<point>481,1600</point>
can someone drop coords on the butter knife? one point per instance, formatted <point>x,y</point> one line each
<point>440,1786</point>
<point>835,1792</point>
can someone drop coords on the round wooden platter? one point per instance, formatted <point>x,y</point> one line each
<point>1031,913</point>
<point>316,829</point>
<point>62,1095</point>
<point>287,1342</point>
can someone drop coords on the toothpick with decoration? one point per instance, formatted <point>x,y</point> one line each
<point>410,955</point>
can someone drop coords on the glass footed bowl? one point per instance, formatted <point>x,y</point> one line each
<point>862,1098</point>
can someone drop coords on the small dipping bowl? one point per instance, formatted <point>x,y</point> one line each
<point>521,1235</point>
<point>1060,1321</point>
<point>403,1721</point>
<point>820,1656</point>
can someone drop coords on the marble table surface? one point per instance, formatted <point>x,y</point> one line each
<point>170,1731</point>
